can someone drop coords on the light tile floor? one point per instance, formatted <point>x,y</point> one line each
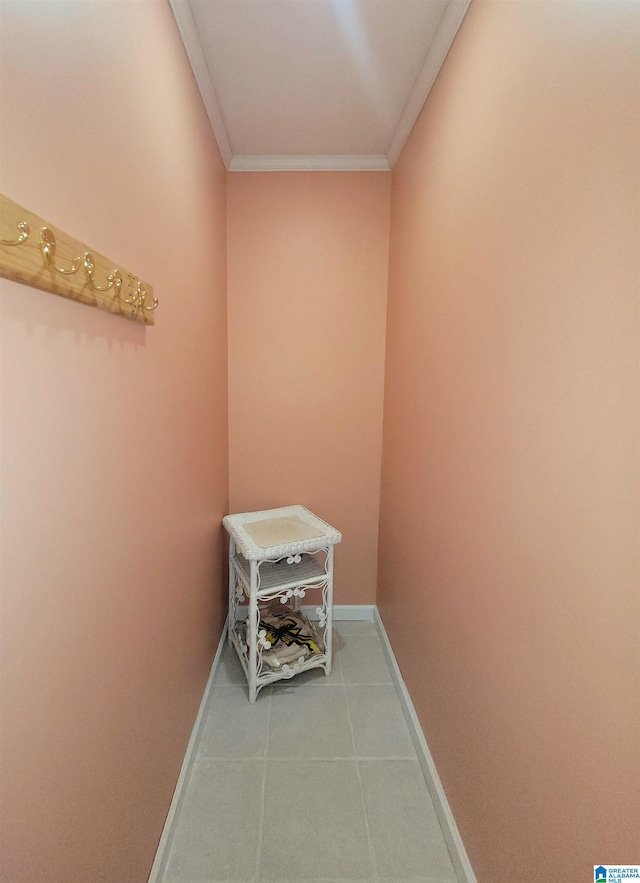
<point>317,781</point>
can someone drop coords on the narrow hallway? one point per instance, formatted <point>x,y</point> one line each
<point>319,780</point>
<point>397,272</point>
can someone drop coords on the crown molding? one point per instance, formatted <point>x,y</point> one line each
<point>189,33</point>
<point>329,163</point>
<point>447,30</point>
<point>444,37</point>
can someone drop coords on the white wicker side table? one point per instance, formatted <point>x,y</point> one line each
<point>279,556</point>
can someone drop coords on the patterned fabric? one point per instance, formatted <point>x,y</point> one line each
<point>286,636</point>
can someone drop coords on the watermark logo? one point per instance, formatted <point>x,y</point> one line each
<point>615,873</point>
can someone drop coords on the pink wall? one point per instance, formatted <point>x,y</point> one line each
<point>114,441</point>
<point>307,306</point>
<point>509,496</point>
<point>509,513</point>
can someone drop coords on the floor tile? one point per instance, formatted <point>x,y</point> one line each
<point>314,825</point>
<point>217,829</point>
<point>230,672</point>
<point>433,879</point>
<point>355,627</point>
<point>403,823</point>
<point>233,727</point>
<point>314,821</point>
<point>379,727</point>
<point>229,669</point>
<point>363,660</point>
<point>316,676</point>
<point>309,722</point>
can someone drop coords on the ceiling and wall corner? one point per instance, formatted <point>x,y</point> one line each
<point>330,85</point>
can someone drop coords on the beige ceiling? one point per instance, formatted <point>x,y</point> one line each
<point>291,84</point>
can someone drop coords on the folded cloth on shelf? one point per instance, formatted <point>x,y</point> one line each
<point>285,635</point>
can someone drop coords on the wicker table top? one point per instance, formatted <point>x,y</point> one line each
<point>291,524</point>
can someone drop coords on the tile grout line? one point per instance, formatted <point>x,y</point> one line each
<point>263,794</point>
<point>359,760</point>
<point>303,758</point>
<point>372,854</point>
<point>300,758</point>
<point>457,852</point>
<point>166,843</point>
<point>301,687</point>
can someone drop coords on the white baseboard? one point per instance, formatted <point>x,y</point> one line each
<point>459,857</point>
<point>341,612</point>
<point>162,853</point>
<point>345,612</point>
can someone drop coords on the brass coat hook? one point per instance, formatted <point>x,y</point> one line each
<point>48,246</point>
<point>54,261</point>
<point>138,299</point>
<point>113,279</point>
<point>23,227</point>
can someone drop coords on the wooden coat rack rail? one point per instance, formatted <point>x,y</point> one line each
<point>33,252</point>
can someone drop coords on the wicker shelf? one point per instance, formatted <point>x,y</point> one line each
<point>313,659</point>
<point>280,574</point>
<point>297,559</point>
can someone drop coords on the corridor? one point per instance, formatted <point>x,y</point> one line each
<point>319,780</point>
